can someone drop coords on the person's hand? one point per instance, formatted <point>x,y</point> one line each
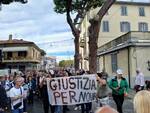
<point>24,95</point>
<point>117,88</point>
<point>125,94</point>
<point>139,88</point>
<point>48,79</point>
<point>19,96</point>
<point>103,82</point>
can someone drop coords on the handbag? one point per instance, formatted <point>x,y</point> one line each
<point>16,106</point>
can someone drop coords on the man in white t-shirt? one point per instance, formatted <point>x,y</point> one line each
<point>139,81</point>
<point>17,94</point>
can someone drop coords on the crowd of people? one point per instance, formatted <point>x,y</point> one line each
<point>17,90</point>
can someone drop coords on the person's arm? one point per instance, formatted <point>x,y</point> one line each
<point>126,86</point>
<point>16,97</point>
<point>41,82</point>
<point>110,85</point>
<point>142,82</point>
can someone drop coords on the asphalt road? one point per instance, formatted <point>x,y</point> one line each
<point>37,107</point>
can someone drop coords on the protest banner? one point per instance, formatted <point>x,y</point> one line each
<point>72,90</point>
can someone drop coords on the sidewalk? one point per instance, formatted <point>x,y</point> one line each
<point>131,94</point>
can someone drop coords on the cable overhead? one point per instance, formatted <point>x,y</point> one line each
<point>59,41</point>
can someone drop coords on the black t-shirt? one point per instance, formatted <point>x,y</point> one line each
<point>3,97</point>
<point>44,92</point>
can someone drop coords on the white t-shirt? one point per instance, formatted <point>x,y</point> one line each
<point>119,81</point>
<point>139,80</point>
<point>16,92</point>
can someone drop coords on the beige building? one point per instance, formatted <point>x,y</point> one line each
<point>19,54</point>
<point>121,18</point>
<point>128,52</point>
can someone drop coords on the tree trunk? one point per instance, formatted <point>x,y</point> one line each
<point>93,38</point>
<point>76,34</point>
<point>94,34</point>
<point>77,55</point>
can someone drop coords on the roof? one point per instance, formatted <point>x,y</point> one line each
<point>133,3</point>
<point>51,58</point>
<point>15,41</point>
<point>18,42</point>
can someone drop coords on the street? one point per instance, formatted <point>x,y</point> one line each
<point>37,107</point>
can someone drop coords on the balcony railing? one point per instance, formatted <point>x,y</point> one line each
<point>127,38</point>
<point>20,59</point>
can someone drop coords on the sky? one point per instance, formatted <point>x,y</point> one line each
<point>36,21</point>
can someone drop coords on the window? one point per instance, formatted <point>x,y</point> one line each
<point>123,10</point>
<point>33,53</point>
<point>114,62</point>
<point>9,55</point>
<point>1,55</point>
<point>105,26</point>
<point>22,53</point>
<point>125,26</point>
<point>141,11</point>
<point>98,64</point>
<point>143,26</point>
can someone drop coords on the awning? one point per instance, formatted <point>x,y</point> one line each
<point>8,49</point>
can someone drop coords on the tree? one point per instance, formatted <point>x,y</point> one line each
<point>94,34</point>
<point>79,8</point>
<point>66,63</point>
<point>7,2</point>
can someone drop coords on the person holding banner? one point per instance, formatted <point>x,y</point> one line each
<point>103,90</point>
<point>86,107</point>
<point>44,94</point>
<point>119,87</point>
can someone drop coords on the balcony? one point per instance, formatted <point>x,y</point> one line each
<point>20,59</point>
<point>127,39</point>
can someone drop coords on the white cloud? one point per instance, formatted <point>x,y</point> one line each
<point>36,21</point>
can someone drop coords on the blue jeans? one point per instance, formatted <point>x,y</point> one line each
<point>58,109</point>
<point>2,112</point>
<point>86,107</point>
<point>17,111</point>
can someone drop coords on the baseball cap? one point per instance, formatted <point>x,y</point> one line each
<point>119,71</point>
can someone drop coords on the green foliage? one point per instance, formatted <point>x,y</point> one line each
<point>77,5</point>
<point>10,1</point>
<point>43,52</point>
<point>66,63</point>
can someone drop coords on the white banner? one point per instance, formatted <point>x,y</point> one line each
<point>72,90</point>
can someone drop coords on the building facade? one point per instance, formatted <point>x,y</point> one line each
<point>120,19</point>
<point>19,54</point>
<point>128,52</point>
